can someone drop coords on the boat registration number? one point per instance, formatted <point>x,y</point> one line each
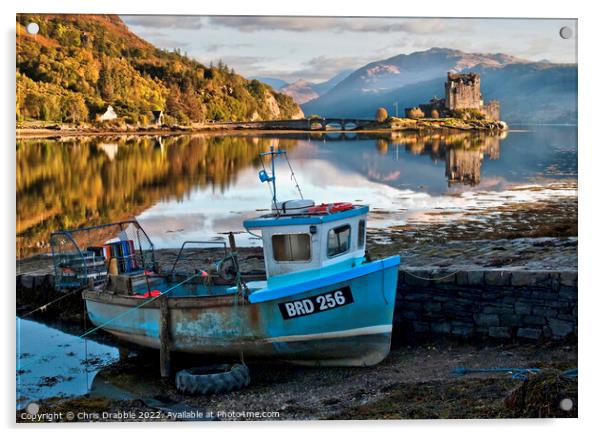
<point>316,304</point>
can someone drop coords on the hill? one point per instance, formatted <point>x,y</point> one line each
<point>323,87</point>
<point>302,90</point>
<point>77,65</point>
<point>528,91</point>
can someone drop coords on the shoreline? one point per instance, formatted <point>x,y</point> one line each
<point>413,382</point>
<point>407,125</point>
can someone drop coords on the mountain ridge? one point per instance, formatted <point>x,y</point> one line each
<point>411,79</point>
<point>302,90</point>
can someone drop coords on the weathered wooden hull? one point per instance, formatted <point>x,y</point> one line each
<point>355,334</point>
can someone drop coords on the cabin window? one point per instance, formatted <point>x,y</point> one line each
<point>291,247</point>
<point>338,240</point>
<point>361,233</point>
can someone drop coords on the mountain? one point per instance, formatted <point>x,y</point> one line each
<point>324,87</point>
<point>77,65</point>
<point>527,91</point>
<point>301,91</point>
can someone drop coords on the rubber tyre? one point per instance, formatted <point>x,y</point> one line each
<point>221,378</point>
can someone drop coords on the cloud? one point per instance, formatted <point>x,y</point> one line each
<point>322,68</point>
<point>419,26</point>
<point>332,24</point>
<point>217,47</point>
<point>162,39</point>
<point>317,69</point>
<point>538,46</point>
<point>170,43</point>
<point>240,63</point>
<point>164,21</point>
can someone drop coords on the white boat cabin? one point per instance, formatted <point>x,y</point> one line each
<point>299,235</point>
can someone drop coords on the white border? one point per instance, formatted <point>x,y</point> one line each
<point>590,100</point>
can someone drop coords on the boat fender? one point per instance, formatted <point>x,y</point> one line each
<point>219,378</point>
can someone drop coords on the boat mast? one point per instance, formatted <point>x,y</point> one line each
<point>273,174</point>
<point>264,177</point>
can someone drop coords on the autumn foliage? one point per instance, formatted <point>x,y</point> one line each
<point>77,65</point>
<point>381,115</point>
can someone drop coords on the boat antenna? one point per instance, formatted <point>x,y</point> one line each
<point>265,177</point>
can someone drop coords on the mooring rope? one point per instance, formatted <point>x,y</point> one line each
<point>515,372</point>
<point>47,304</point>
<point>96,328</point>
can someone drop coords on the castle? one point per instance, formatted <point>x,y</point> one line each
<point>462,91</point>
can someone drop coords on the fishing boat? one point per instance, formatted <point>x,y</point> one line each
<point>322,302</point>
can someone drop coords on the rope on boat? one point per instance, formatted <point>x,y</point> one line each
<point>515,372</point>
<point>96,328</point>
<point>431,279</point>
<point>293,177</point>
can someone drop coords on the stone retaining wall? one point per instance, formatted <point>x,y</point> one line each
<point>498,304</point>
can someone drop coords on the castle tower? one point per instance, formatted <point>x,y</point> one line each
<point>463,91</point>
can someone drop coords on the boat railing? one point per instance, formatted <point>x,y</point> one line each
<point>187,256</point>
<point>87,256</point>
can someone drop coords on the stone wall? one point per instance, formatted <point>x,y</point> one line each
<point>498,304</point>
<point>492,110</point>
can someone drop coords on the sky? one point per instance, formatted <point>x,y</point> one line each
<point>317,48</point>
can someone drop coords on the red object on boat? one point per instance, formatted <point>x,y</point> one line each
<point>329,208</point>
<point>154,293</point>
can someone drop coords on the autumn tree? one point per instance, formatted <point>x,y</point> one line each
<point>415,113</point>
<point>381,115</point>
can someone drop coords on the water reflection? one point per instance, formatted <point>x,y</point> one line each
<point>72,182</point>
<point>208,182</point>
<point>52,363</point>
<point>463,153</point>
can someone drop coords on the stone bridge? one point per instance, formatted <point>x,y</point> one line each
<point>314,124</point>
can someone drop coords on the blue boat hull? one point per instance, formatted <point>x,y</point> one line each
<point>346,323</point>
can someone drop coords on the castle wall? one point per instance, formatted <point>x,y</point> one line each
<point>463,91</point>
<point>491,110</point>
